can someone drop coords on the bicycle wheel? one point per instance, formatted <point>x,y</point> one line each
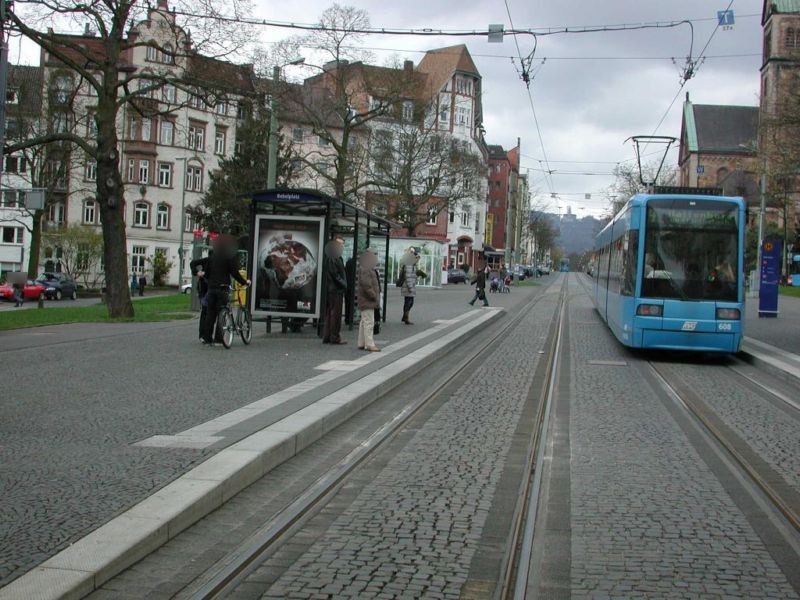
<point>245,325</point>
<point>228,327</point>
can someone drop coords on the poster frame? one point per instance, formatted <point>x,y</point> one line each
<point>261,314</point>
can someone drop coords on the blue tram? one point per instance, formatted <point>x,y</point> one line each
<point>564,268</point>
<point>669,272</point>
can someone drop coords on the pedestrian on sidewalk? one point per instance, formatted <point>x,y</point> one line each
<point>480,286</point>
<point>197,266</point>
<point>335,288</point>
<point>142,283</point>
<point>369,293</point>
<point>134,284</point>
<point>408,285</point>
<point>19,294</point>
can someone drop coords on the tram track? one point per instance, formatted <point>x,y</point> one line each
<point>234,568</point>
<point>520,547</point>
<point>780,494</point>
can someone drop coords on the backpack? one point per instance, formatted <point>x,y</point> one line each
<point>402,277</point>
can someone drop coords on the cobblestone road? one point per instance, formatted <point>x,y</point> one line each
<point>411,532</point>
<point>649,519</point>
<point>83,394</point>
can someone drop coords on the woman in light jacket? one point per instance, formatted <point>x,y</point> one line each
<point>409,287</point>
<point>369,295</point>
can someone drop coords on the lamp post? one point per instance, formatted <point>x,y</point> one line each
<point>272,158</point>
<point>181,249</point>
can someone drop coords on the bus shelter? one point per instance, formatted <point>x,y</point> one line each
<point>288,231</point>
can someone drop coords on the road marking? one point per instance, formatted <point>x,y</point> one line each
<point>609,363</point>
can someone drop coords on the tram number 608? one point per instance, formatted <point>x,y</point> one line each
<point>724,326</point>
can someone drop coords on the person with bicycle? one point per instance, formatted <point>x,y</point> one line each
<point>219,268</point>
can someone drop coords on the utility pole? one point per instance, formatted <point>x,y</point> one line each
<point>5,5</point>
<point>272,160</point>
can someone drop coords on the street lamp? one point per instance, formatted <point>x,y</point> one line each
<point>272,160</point>
<point>181,250</point>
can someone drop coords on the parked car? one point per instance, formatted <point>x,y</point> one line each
<point>58,286</point>
<point>457,276</point>
<point>31,291</point>
<point>186,288</point>
<point>519,273</point>
<point>543,269</point>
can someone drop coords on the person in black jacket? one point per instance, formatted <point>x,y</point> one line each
<point>218,270</point>
<point>335,288</point>
<point>200,265</point>
<point>480,286</point>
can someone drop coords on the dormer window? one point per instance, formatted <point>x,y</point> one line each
<point>152,54</point>
<point>167,56</point>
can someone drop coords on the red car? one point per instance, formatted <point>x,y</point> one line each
<point>31,291</point>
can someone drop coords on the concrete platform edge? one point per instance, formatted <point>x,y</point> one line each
<point>91,561</point>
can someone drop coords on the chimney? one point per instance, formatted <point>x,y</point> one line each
<point>332,65</point>
<point>408,66</point>
<point>87,30</point>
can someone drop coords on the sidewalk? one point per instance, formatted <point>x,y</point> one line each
<point>783,331</point>
<point>99,435</point>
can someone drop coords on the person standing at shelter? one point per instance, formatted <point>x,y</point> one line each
<point>408,287</point>
<point>219,268</point>
<point>369,293</point>
<point>335,288</point>
<point>142,283</point>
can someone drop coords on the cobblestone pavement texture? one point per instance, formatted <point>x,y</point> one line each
<point>412,529</point>
<point>773,432</point>
<point>82,394</point>
<point>783,331</point>
<point>649,518</point>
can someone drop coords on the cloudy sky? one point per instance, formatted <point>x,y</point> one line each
<point>591,91</point>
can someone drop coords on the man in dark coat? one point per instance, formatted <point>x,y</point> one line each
<point>480,286</point>
<point>335,288</point>
<point>219,268</point>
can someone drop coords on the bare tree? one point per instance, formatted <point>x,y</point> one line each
<point>340,100</point>
<point>80,250</point>
<point>99,66</point>
<point>628,182</point>
<point>418,172</point>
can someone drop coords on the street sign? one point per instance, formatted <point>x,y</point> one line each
<point>725,19</point>
<point>496,34</point>
<point>771,252</point>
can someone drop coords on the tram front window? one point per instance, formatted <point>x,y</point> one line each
<point>691,250</point>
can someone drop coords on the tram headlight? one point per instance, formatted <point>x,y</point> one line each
<point>649,310</point>
<point>728,314</point>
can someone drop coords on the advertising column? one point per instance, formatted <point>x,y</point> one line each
<point>770,278</point>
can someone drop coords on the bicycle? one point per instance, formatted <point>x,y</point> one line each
<point>241,322</point>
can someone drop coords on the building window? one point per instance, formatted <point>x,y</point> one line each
<point>13,235</point>
<point>138,259</point>
<point>792,39</point>
<point>452,216</point>
<point>297,134</point>
<point>408,110</point>
<point>197,137</point>
<point>147,129</point>
<point>90,171</point>
<point>242,111</point>
<point>433,215</point>
<point>167,55</point>
<point>152,53</point>
<point>167,133</point>
<point>238,147</point>
<point>141,214</point>
<point>164,175</point>
<point>9,199</point>
<point>375,104</point>
<point>89,212</point>
<point>444,113</point>
<point>12,97</point>
<point>195,101</point>
<point>219,143</point>
<point>188,220</point>
<point>162,216</point>
<point>322,141</point>
<point>722,173</point>
<point>194,179</point>
<point>131,170</point>
<point>144,171</point>
<point>55,213</point>
<point>222,108</point>
<point>466,218</point>
<point>169,94</point>
<point>16,164</point>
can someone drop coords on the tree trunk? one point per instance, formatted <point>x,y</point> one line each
<point>36,245</point>
<point>110,196</point>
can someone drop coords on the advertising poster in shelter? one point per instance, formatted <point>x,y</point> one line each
<point>287,270</point>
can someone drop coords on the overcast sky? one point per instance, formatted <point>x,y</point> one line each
<point>593,91</point>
